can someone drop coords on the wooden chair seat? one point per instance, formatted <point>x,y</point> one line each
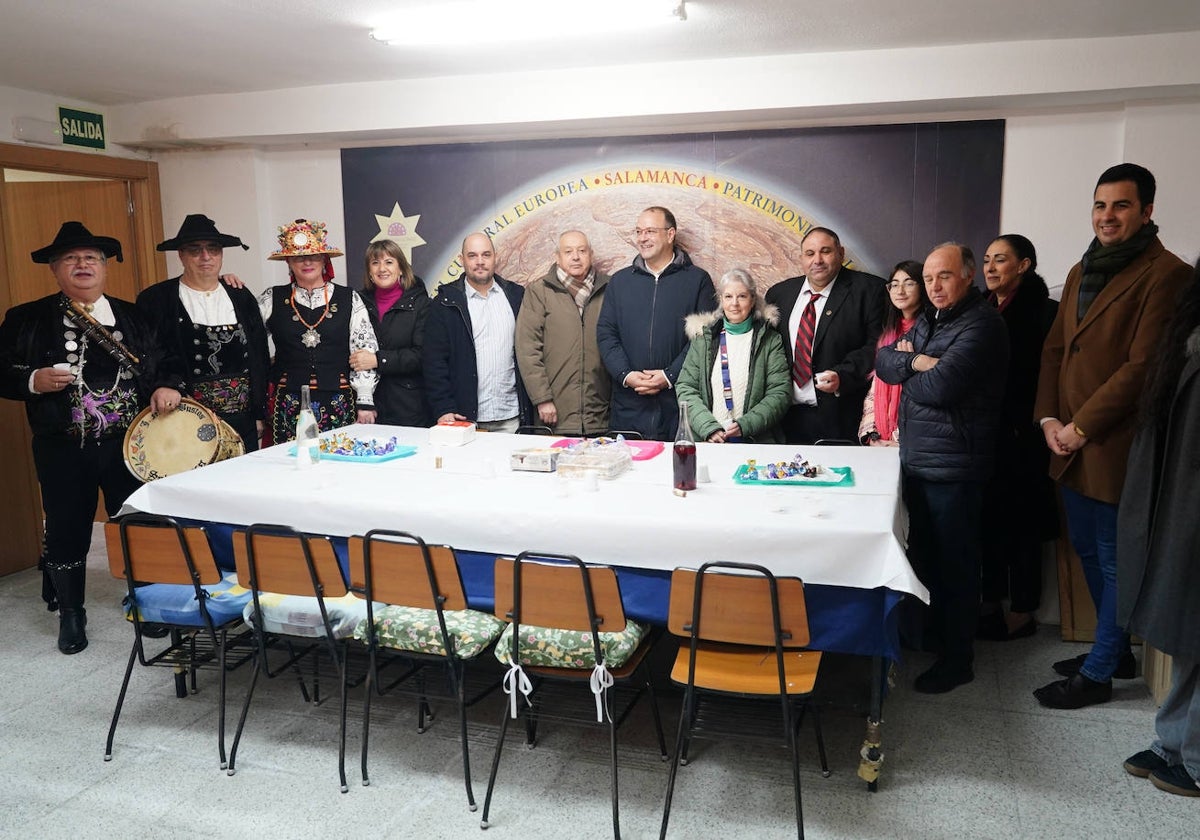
<point>736,670</point>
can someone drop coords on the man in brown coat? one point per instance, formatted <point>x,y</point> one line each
<point>1115,304</point>
<point>556,342</point>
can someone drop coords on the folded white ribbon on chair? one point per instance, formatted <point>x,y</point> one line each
<point>600,681</point>
<point>515,682</point>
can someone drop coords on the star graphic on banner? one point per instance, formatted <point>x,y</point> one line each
<point>400,229</point>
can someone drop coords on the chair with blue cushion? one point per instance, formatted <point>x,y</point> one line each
<point>176,593</point>
<point>418,619</point>
<point>300,611</point>
<point>568,630</point>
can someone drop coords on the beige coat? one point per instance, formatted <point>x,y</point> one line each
<point>1092,371</point>
<point>558,355</point>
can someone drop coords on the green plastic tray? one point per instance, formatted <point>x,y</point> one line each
<point>845,478</point>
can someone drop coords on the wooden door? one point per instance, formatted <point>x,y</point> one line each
<point>102,206</point>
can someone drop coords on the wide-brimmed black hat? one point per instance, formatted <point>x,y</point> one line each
<point>199,228</point>
<point>75,235</point>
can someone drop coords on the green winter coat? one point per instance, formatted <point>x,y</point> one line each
<point>768,391</point>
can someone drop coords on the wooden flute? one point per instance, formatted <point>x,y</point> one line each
<point>97,332</point>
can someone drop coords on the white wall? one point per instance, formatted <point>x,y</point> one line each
<point>23,103</point>
<point>1051,163</point>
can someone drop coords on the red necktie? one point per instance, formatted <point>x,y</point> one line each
<point>802,358</point>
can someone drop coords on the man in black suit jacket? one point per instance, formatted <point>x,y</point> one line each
<point>848,307</point>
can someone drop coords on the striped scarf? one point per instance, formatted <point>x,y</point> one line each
<point>581,290</point>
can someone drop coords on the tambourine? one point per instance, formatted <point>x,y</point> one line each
<point>191,436</point>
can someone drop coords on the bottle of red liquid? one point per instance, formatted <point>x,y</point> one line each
<point>684,454</point>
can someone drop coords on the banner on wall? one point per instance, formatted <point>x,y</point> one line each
<point>742,200</point>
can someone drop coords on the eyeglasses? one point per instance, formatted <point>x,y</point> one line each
<point>653,230</point>
<point>195,250</point>
<point>78,259</point>
<point>891,285</point>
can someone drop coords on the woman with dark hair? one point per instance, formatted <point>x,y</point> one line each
<point>1158,543</point>
<point>881,408</point>
<point>398,304</point>
<point>1019,512</point>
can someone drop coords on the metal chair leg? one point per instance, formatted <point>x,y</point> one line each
<point>487,800</point>
<point>367,720</point>
<point>237,736</point>
<point>684,723</point>
<point>112,727</point>
<point>342,666</point>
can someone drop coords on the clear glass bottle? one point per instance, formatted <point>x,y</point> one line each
<point>308,449</point>
<point>684,452</point>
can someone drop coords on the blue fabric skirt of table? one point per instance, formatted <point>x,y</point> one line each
<point>841,619</point>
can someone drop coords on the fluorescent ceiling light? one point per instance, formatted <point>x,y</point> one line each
<point>489,21</point>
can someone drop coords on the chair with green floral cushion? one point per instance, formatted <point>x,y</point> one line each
<point>568,630</point>
<point>417,616</point>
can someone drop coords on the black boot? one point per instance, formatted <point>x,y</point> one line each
<point>71,635</point>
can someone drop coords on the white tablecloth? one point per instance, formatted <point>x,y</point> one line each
<point>841,536</point>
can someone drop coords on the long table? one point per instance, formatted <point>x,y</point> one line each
<point>846,543</point>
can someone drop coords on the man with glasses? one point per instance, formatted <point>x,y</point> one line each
<point>215,332</point>
<point>830,318</point>
<point>640,329</point>
<point>84,364</point>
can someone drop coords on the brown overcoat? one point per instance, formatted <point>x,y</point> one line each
<point>1092,371</point>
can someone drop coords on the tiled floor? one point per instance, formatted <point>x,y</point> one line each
<point>984,761</point>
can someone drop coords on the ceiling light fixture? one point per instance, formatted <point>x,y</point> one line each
<point>487,22</point>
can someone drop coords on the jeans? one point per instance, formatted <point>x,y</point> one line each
<point>1177,723</point>
<point>1092,526</point>
<point>945,544</point>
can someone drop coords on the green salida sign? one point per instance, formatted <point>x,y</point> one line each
<point>81,128</point>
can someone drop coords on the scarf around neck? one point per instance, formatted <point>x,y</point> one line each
<point>580,290</point>
<point>887,397</point>
<point>386,298</point>
<point>1102,262</point>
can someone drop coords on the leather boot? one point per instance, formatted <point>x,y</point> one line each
<point>72,637</point>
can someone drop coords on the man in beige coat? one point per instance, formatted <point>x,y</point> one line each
<point>556,342</point>
<point>1115,305</point>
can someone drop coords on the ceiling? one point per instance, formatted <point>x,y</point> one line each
<point>127,51</point>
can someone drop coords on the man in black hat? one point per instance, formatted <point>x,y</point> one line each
<point>84,365</point>
<point>213,331</point>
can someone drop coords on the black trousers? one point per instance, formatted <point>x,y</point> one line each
<point>804,425</point>
<point>71,477</point>
<point>944,545</point>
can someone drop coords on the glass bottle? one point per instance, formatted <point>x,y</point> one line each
<point>684,452</point>
<point>308,449</point>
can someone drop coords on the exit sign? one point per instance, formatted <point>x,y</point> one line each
<point>81,128</point>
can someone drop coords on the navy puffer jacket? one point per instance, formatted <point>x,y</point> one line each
<point>950,414</point>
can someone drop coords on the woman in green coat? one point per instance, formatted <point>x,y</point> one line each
<point>735,378</point>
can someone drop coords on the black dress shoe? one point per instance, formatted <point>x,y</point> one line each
<point>943,676</point>
<point>1126,666</point>
<point>1074,693</point>
<point>71,635</point>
